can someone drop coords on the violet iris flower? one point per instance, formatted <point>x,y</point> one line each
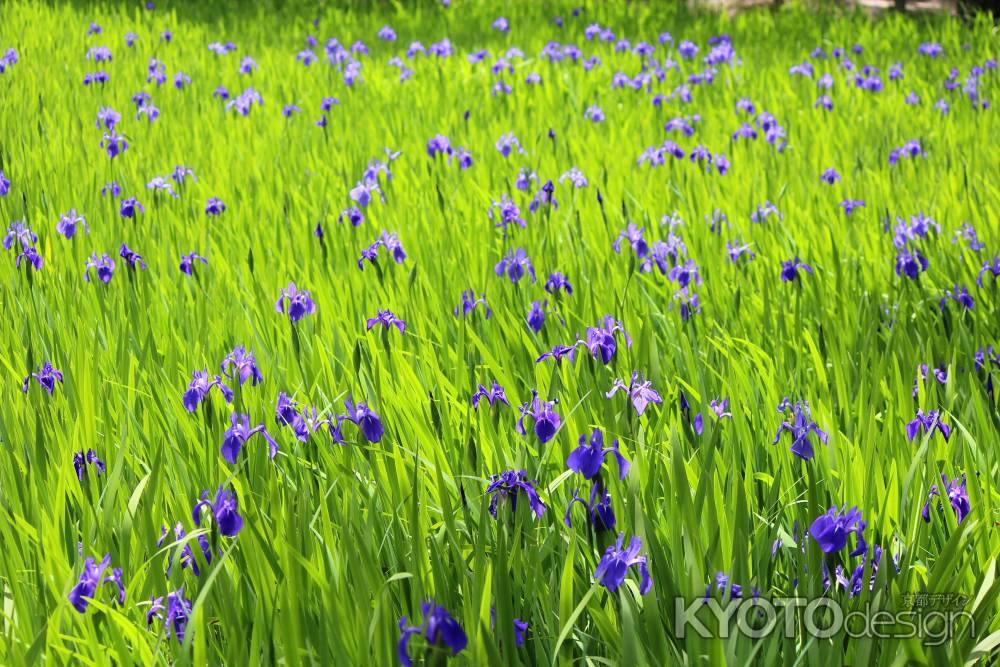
<point>959,295</point>
<point>199,388</point>
<point>81,460</point>
<point>387,319</point>
<point>214,206</point>
<point>367,420</point>
<point>175,615</point>
<point>556,282</point>
<point>588,457</point>
<point>910,264</point>
<point>601,339</point>
<point>68,223</point>
<point>494,394</point>
<point>296,303</point>
<point>508,486</point>
<point>46,376</point>
<point>469,304</point>
<point>132,258</point>
<point>93,575</point>
<point>928,423</point>
<point>536,316</point>
<point>240,364</point>
<point>239,433</point>
<point>991,267</point>
<point>800,427</point>
<point>616,562</point>
<point>187,262</point>
<point>103,266</point>
<point>639,390</point>
<point>790,269</point>
<point>514,264</point>
<point>223,510</point>
<point>129,207</point>
<point>832,529</point>
<point>957,494</point>
<point>439,629</point>
<point>546,420</point>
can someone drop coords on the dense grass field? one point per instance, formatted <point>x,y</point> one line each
<point>714,136</point>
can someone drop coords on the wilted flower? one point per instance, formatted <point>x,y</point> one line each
<point>508,486</point>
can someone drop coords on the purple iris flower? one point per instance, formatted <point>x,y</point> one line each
<point>547,422</point>
<point>200,387</point>
<point>599,509</point>
<point>20,232</point>
<point>111,188</point>
<point>101,77</point>
<point>832,529</point>
<point>685,274</point>
<point>910,264</point>
<point>388,241</point>
<point>634,236</point>
<point>181,80</point>
<point>175,615</point>
<point>187,262</point>
<point>46,376</point>
<point>588,457</point>
<point>296,303</point>
<point>470,303</point>
<point>556,282</point>
<point>910,149</point>
<point>81,460</point>
<point>161,184</point>
<point>536,316</point>
<point>957,494</point>
<point>30,256</point>
<point>108,118</point>
<point>214,206</point>
<point>508,212</point>
<point>93,575</point>
<point>239,432</point>
<point>574,176</point>
<point>223,510</point>
<point>244,102</point>
<point>493,394</point>
<point>616,562</point>
<point>721,583</point>
<point>559,351</point>
<point>439,629</point>
<point>114,144</point>
<point>959,295</point>
<point>940,374</point>
<point>639,390</point>
<point>508,486</point>
<point>240,364</point>
<point>103,266</point>
<point>601,340</point>
<point>132,258</point>
<point>968,233</point>
<point>800,426</point>
<point>765,211</point>
<point>745,131</point>
<point>507,143</point>
<point>928,423</point>
<point>851,205</point>
<point>991,267</point>
<point>830,176</point>
<point>545,197</point>
<point>930,49</point>
<point>737,249</point>
<point>439,144</point>
<point>353,215</point>
<point>367,420</point>
<point>129,208</point>
<point>594,114</point>
<point>68,223</point>
<point>386,319</point>
<point>790,269</point>
<point>387,34</point>
<point>514,264</point>
<point>719,408</point>
<point>4,184</point>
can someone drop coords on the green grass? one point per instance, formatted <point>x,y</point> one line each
<point>339,542</point>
